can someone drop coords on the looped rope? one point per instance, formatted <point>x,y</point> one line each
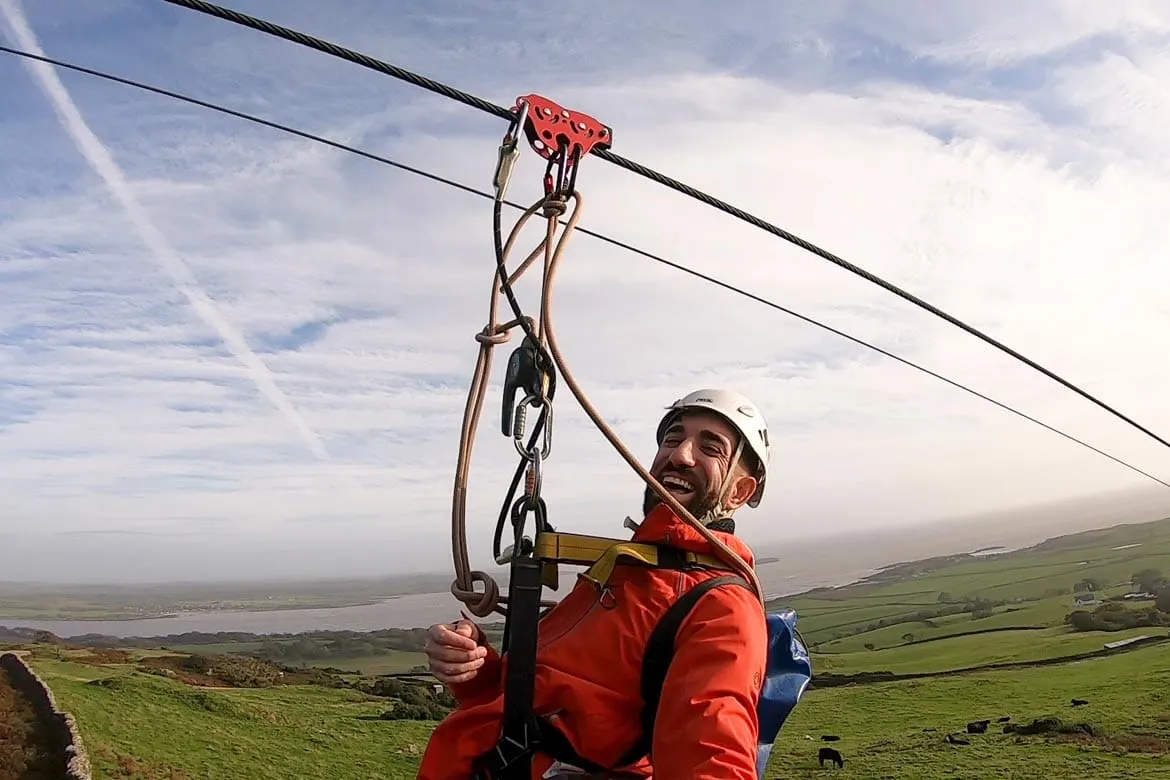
<point>552,206</point>
<point>494,334</point>
<point>478,604</point>
<point>494,338</point>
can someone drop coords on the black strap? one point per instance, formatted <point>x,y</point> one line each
<point>660,653</point>
<point>521,731</point>
<point>543,737</point>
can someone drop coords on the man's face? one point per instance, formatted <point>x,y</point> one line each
<point>692,461</point>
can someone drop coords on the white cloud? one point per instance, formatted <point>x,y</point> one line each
<point>104,165</point>
<point>1001,32</point>
<point>1033,213</point>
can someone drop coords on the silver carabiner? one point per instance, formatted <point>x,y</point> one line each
<point>520,427</point>
<point>509,152</point>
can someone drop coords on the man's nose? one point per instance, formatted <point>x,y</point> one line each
<point>683,454</point>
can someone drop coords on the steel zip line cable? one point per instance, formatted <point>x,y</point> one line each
<point>468,99</point>
<point>600,236</point>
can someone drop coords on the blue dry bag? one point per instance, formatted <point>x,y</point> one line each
<point>788,674</point>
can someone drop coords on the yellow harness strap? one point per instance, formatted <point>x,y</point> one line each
<point>602,554</point>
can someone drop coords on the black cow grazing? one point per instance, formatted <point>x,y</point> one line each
<point>952,739</point>
<point>978,727</point>
<point>828,754</point>
<point>829,738</point>
<point>1005,718</point>
<point>1079,702</point>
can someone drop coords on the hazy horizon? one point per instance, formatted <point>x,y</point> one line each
<point>1012,528</point>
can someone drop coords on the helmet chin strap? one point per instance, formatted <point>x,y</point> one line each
<point>717,512</point>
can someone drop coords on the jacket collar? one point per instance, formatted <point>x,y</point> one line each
<point>663,526</point>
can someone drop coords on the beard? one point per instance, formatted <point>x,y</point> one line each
<point>702,500</point>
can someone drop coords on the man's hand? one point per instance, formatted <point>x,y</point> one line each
<point>454,655</point>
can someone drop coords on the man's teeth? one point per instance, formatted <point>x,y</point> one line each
<point>675,482</point>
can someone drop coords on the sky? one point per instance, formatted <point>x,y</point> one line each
<point>227,352</point>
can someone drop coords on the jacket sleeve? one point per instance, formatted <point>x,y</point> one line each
<point>486,685</point>
<point>707,726</point>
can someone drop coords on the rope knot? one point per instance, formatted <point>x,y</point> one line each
<point>554,206</point>
<point>478,604</point>
<point>495,338</point>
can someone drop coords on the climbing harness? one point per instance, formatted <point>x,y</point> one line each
<point>563,138</point>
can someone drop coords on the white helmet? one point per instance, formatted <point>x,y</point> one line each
<point>738,410</point>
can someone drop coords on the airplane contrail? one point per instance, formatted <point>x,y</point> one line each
<point>99,157</point>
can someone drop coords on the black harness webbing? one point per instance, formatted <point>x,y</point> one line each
<point>521,733</point>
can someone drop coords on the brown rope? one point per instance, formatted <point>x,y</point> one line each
<point>483,603</point>
<point>729,556</point>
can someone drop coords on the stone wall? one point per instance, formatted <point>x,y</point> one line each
<point>62,728</point>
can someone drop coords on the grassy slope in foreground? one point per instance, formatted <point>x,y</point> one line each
<point>882,726</point>
<point>164,727</point>
<point>168,729</point>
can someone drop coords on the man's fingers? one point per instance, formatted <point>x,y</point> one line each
<point>443,635</point>
<point>456,679</point>
<point>455,654</point>
<point>447,670</point>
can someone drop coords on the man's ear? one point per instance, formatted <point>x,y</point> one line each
<point>742,489</point>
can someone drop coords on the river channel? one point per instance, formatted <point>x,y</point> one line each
<point>397,612</point>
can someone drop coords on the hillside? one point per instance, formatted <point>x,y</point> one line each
<point>1030,589</point>
<point>902,661</point>
<point>308,731</point>
<point>898,729</point>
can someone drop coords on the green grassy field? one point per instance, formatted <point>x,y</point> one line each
<point>165,729</point>
<point>391,662</point>
<point>882,726</point>
<point>1035,584</point>
<point>374,665</point>
<point>961,652</point>
<point>141,725</point>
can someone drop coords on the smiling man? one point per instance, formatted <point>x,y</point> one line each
<point>713,454</point>
<point>706,442</point>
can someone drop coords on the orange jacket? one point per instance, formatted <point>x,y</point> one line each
<point>589,665</point>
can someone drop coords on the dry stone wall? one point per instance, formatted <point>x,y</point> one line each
<point>61,726</point>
